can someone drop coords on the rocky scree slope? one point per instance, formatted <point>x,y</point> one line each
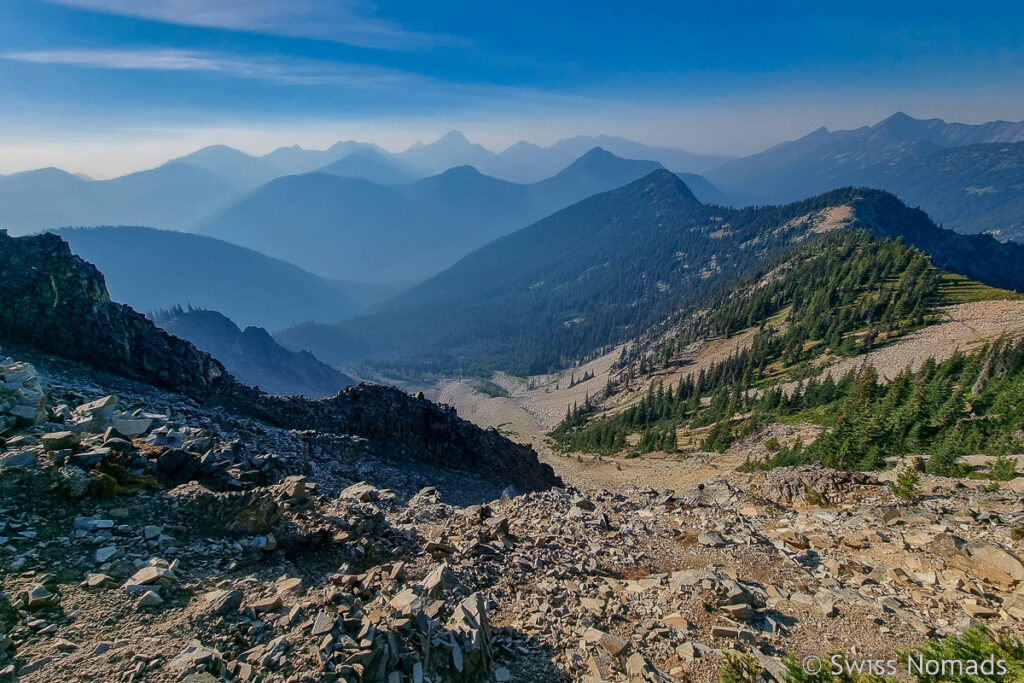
<point>133,522</point>
<point>58,304</point>
<point>275,562</point>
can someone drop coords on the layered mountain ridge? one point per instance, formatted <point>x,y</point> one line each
<point>352,228</point>
<point>967,177</point>
<point>156,269</point>
<point>601,270</point>
<point>185,191</point>
<point>252,355</point>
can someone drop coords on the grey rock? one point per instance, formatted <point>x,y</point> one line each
<point>224,601</point>
<point>150,599</point>
<point>712,539</point>
<point>441,580</point>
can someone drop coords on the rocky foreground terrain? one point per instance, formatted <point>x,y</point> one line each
<point>146,537</point>
<point>160,521</point>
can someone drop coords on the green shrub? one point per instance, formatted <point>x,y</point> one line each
<point>817,498</point>
<point>719,438</point>
<point>907,485</point>
<point>1003,468</point>
<point>976,645</point>
<point>486,386</point>
<point>739,667</point>
<point>796,674</point>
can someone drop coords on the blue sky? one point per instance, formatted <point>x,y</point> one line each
<point>106,86</point>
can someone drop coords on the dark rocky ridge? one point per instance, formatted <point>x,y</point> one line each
<point>57,303</point>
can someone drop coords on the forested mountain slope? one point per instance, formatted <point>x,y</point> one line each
<point>609,267</point>
<point>969,178</point>
<point>840,296</point>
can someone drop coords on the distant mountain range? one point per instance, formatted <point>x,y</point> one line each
<point>968,178</point>
<point>357,229</point>
<point>375,166</point>
<point>175,195</point>
<point>156,269</point>
<point>611,265</point>
<point>525,162</point>
<point>185,191</point>
<point>252,356</point>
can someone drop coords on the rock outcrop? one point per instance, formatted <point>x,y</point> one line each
<point>57,303</point>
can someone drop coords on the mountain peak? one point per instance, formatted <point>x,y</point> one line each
<point>464,172</point>
<point>664,181</point>
<point>217,149</point>
<point>903,125</point>
<point>599,162</point>
<point>597,153</point>
<point>452,137</point>
<point>595,157</point>
<point>898,117</point>
<point>47,172</point>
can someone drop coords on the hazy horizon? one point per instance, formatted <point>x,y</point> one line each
<point>109,160</point>
<point>106,87</point>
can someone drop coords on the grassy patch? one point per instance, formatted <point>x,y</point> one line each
<point>956,289</point>
<point>818,415</point>
<point>486,386</point>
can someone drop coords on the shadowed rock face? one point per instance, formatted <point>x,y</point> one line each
<point>57,303</point>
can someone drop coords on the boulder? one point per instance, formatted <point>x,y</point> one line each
<point>442,580</point>
<point>360,491</point>
<point>196,655</point>
<point>469,621</point>
<point>221,602</point>
<point>177,464</point>
<point>55,441</point>
<point>150,599</point>
<point>147,576</point>
<point>711,539</point>
<point>95,415</point>
<point>994,557</point>
<point>21,460</point>
<point>132,426</point>
<point>38,596</point>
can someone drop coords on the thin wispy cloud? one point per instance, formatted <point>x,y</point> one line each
<point>353,22</point>
<point>304,72</point>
